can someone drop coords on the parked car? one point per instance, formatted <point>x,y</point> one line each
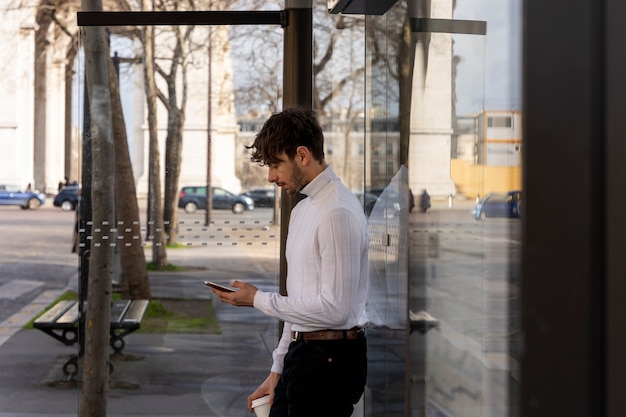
<point>262,197</point>
<point>499,205</point>
<point>192,198</point>
<point>67,198</point>
<point>11,195</point>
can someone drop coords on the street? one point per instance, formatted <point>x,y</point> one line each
<point>36,255</point>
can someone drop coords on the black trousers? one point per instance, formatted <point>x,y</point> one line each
<point>321,379</point>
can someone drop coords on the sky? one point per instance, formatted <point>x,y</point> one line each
<point>489,74</point>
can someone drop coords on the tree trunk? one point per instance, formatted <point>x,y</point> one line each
<point>406,59</point>
<point>71,169</point>
<point>40,104</point>
<point>134,278</point>
<point>174,139</point>
<point>155,208</point>
<point>95,384</point>
<point>172,173</point>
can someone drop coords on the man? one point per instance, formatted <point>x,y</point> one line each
<point>320,365</point>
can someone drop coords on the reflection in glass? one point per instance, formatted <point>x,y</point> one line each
<point>444,337</point>
<point>456,348</point>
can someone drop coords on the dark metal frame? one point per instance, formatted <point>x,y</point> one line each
<point>365,7</point>
<point>467,27</point>
<point>573,274</point>
<point>182,18</point>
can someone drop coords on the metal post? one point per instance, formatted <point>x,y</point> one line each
<point>297,92</point>
<point>298,54</point>
<point>209,156</point>
<point>84,220</point>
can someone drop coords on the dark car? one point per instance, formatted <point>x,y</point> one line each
<point>11,195</point>
<point>67,198</point>
<point>262,197</point>
<point>499,205</point>
<point>192,198</point>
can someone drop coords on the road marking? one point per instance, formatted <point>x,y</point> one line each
<point>15,323</point>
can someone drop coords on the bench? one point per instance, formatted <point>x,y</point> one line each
<point>61,321</point>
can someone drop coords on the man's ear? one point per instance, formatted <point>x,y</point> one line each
<point>303,155</point>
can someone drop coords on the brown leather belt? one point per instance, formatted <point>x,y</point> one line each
<point>351,334</point>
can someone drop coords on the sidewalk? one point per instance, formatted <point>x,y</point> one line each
<point>158,374</point>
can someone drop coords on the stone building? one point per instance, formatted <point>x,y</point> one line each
<point>42,102</point>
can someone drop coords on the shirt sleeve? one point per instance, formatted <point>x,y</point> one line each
<point>279,353</point>
<point>324,302</point>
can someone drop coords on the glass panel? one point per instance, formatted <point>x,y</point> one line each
<point>387,182</point>
<point>452,349</point>
<point>443,336</point>
<point>207,356</point>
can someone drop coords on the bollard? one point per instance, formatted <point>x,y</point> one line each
<point>450,201</point>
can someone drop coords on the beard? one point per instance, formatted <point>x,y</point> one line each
<point>298,179</point>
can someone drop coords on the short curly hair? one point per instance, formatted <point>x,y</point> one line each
<point>285,132</point>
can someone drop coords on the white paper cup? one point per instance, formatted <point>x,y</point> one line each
<point>261,406</point>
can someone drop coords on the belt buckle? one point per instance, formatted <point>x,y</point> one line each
<point>295,336</point>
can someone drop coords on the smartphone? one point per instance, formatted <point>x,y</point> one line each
<point>219,287</point>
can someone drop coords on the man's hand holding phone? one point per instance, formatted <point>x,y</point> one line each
<point>219,287</point>
<point>241,294</point>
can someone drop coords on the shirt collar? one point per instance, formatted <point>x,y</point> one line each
<point>319,182</point>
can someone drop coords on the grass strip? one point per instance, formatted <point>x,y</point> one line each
<point>180,316</point>
<point>163,315</point>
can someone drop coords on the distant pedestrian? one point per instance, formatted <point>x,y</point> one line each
<point>424,201</point>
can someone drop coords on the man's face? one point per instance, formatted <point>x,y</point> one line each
<point>287,174</point>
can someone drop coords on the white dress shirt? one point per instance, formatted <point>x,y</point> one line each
<point>327,264</point>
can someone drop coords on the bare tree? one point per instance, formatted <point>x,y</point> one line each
<point>95,385</point>
<point>405,62</point>
<point>60,17</point>
<point>134,275</point>
<point>172,65</point>
<point>175,122</point>
<point>155,209</point>
<point>258,81</point>
<point>258,87</point>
